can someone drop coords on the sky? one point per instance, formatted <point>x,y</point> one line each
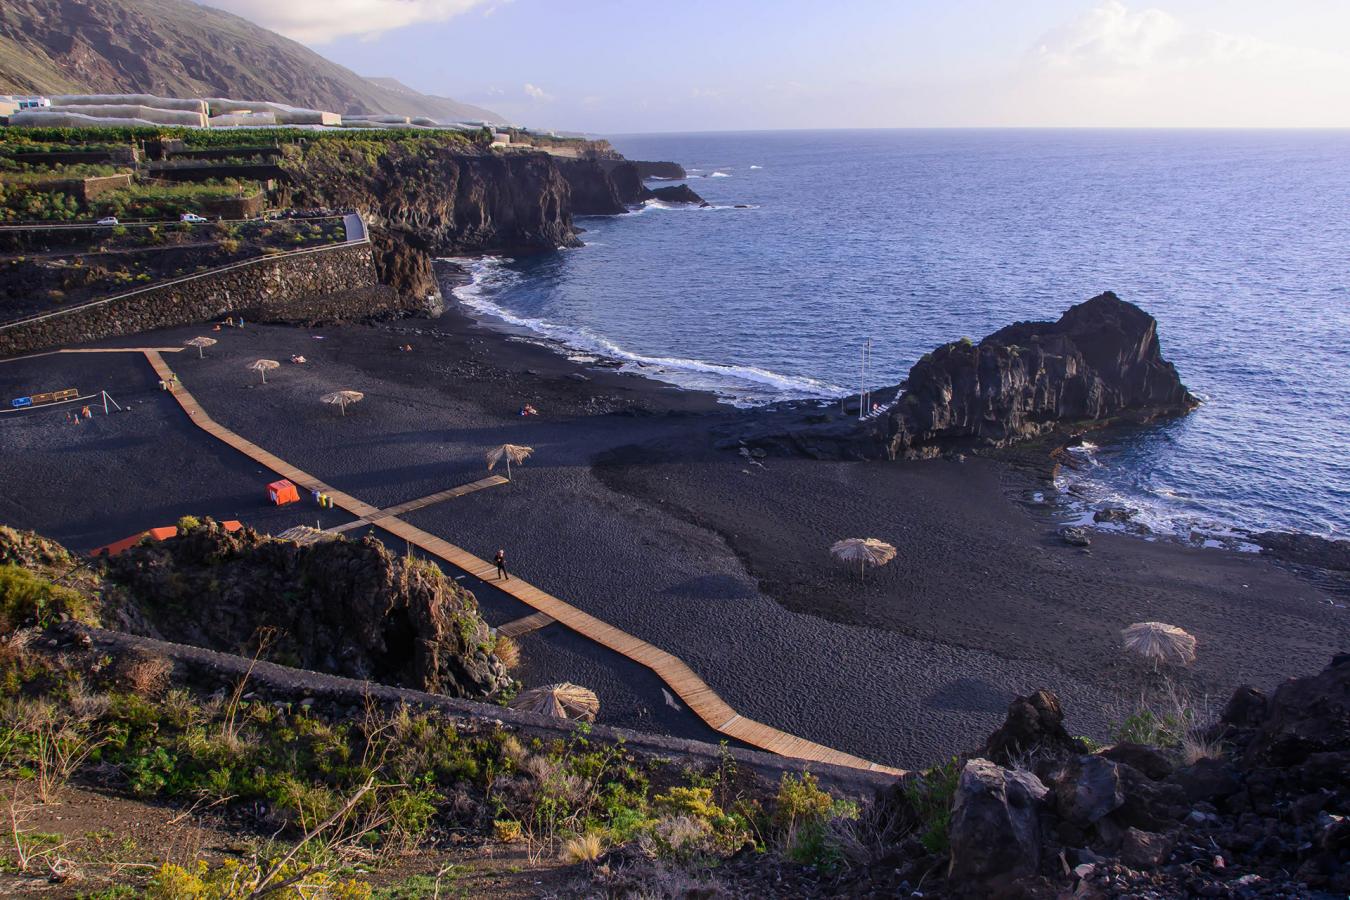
<point>614,67</point>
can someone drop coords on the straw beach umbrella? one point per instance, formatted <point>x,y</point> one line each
<point>201,343</point>
<point>512,453</point>
<point>863,551</point>
<point>263,366</point>
<point>1160,642</point>
<point>561,701</point>
<point>340,399</point>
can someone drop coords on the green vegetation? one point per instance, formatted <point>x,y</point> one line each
<point>29,598</point>
<point>167,200</point>
<point>15,172</point>
<point>930,795</point>
<point>87,138</point>
<point>380,783</point>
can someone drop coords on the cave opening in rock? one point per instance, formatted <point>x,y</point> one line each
<point>400,643</point>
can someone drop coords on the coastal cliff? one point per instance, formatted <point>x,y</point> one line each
<point>436,199</point>
<point>609,187</point>
<point>1101,361</point>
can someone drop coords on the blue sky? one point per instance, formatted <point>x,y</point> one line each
<point>610,67</point>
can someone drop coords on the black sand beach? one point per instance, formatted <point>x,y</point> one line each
<point>626,511</point>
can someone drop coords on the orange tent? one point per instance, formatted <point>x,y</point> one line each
<point>162,533</point>
<point>282,492</point>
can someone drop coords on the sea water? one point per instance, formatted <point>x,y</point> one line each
<point>1238,242</point>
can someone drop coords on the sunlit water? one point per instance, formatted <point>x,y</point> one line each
<point>1238,242</point>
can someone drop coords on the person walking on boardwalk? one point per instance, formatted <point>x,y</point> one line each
<point>500,560</point>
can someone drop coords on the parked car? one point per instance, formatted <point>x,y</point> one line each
<point>109,220</point>
<point>191,218</point>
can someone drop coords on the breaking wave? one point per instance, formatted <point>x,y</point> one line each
<point>737,385</point>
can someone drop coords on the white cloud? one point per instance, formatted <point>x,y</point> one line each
<point>1121,65</point>
<point>320,21</point>
<point>537,93</point>
<point>1113,40</point>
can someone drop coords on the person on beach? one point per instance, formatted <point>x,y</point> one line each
<point>86,413</point>
<point>500,560</point>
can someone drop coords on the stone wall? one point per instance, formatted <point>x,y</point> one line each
<point>331,284</point>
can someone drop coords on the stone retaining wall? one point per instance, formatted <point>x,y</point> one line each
<point>331,284</point>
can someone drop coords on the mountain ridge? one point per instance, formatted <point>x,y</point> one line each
<point>181,48</point>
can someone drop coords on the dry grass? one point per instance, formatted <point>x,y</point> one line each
<point>146,674</point>
<point>587,848</point>
<point>508,651</point>
<point>58,740</point>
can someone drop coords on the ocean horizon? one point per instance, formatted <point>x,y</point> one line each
<point>815,242</point>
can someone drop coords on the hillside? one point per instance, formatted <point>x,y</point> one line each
<point>178,48</point>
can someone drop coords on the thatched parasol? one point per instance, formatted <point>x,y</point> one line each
<point>263,366</point>
<point>863,551</point>
<point>561,701</point>
<point>201,343</point>
<point>512,453</point>
<point>1160,642</point>
<point>342,398</point>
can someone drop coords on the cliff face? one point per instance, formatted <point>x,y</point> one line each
<point>1100,361</point>
<point>608,187</point>
<point>593,191</point>
<point>455,200</point>
<point>426,199</point>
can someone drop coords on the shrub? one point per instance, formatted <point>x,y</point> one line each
<point>506,830</point>
<point>930,794</point>
<point>802,814</point>
<point>26,598</point>
<point>188,523</point>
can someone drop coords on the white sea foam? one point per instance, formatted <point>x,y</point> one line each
<point>756,167</point>
<point>738,385</point>
<point>720,175</point>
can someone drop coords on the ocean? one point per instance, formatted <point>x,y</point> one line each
<point>1238,242</point>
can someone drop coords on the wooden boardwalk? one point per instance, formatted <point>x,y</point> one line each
<point>524,625</point>
<point>696,694</point>
<point>420,502</point>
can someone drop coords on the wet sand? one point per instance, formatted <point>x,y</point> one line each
<point>628,512</point>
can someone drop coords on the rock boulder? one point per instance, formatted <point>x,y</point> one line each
<point>995,826</point>
<point>1101,361</point>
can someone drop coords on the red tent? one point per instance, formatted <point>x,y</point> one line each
<point>282,492</point>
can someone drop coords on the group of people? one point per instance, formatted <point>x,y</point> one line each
<point>167,384</point>
<point>528,410</point>
<point>76,417</point>
<point>321,498</point>
<point>229,323</point>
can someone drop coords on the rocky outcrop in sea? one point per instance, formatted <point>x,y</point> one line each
<point>1100,362</point>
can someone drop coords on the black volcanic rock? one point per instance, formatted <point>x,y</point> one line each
<point>680,193</point>
<point>670,171</point>
<point>344,607</point>
<point>594,192</point>
<point>627,181</point>
<point>1099,362</point>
